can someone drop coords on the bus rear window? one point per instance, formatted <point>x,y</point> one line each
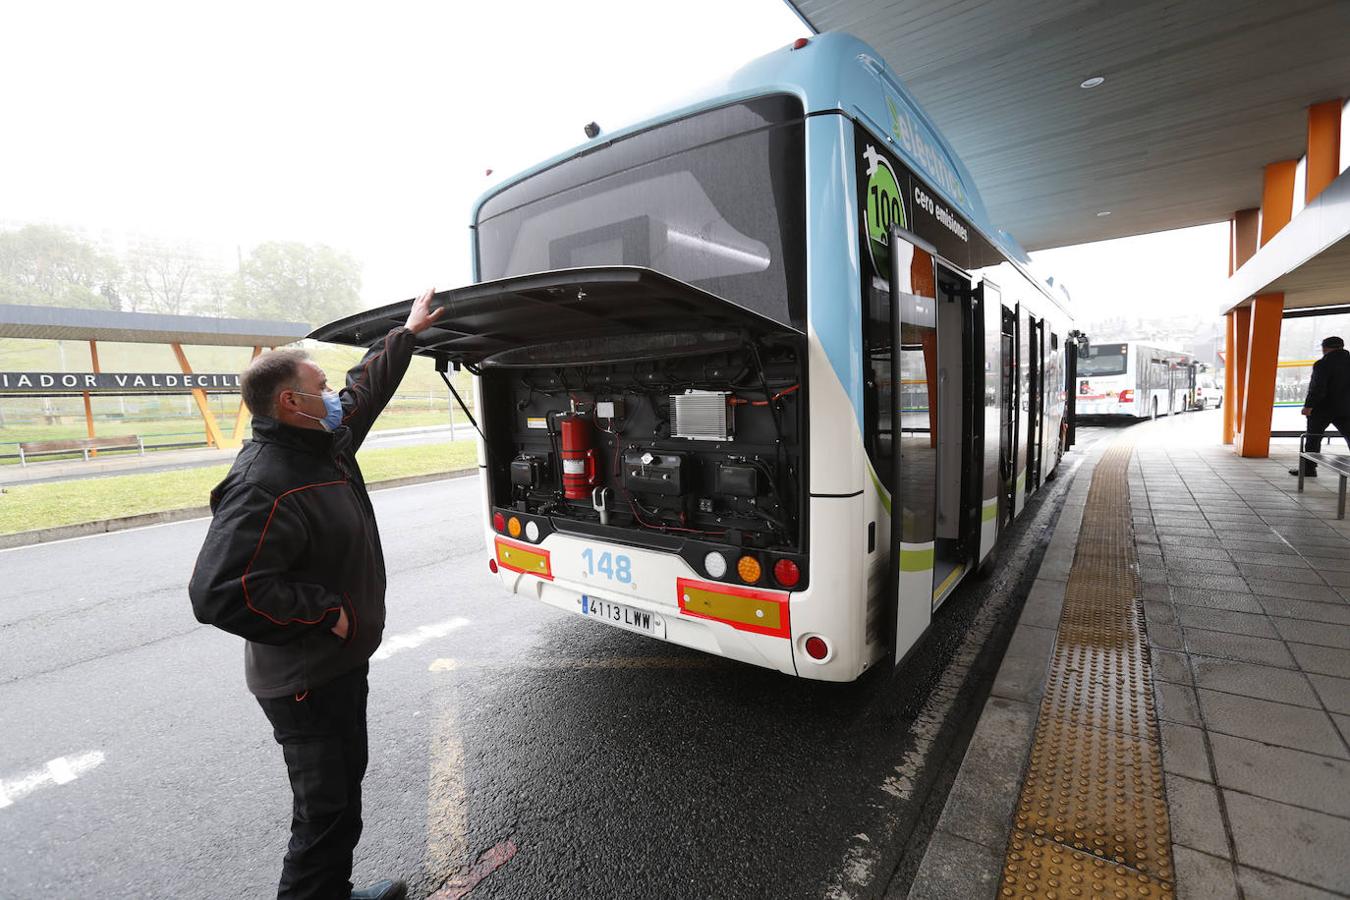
<point>717,200</point>
<point>1107,359</point>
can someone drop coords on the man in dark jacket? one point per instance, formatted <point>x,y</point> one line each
<point>292,562</point>
<point>1328,401</point>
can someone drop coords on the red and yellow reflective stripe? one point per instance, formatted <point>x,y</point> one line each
<point>745,609</point>
<point>524,559</point>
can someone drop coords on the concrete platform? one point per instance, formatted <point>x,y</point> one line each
<point>1242,588</point>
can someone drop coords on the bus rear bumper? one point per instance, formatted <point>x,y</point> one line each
<point>663,622</point>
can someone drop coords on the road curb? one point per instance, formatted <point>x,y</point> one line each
<point>84,529</point>
<point>964,856</point>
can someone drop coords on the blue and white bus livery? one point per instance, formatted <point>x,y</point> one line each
<point>757,377</point>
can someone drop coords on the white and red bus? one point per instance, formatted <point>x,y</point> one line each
<point>1131,378</point>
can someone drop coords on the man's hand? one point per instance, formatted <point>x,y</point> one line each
<point>1305,411</point>
<point>421,318</point>
<point>340,629</point>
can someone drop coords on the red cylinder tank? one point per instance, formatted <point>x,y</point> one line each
<point>578,456</point>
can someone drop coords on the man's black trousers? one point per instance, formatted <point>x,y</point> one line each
<point>322,734</point>
<point>1317,425</point>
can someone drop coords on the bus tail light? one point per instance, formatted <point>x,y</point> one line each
<point>787,573</point>
<point>498,522</point>
<point>817,648</point>
<point>1127,396</point>
<point>492,566</point>
<point>749,569</point>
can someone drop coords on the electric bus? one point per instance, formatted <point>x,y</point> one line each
<point>757,377</point>
<point>1130,378</point>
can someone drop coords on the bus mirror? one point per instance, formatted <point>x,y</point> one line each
<point>1084,348</point>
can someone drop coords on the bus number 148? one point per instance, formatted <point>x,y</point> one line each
<point>615,567</point>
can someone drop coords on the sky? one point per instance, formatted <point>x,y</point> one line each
<point>371,129</point>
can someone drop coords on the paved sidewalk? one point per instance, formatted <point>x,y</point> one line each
<point>1244,588</point>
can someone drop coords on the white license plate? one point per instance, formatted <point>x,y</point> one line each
<point>621,616</point>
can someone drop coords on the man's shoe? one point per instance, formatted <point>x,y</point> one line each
<point>382,890</point>
<point>1305,474</point>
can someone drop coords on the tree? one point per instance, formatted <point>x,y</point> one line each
<point>217,289</point>
<point>164,279</point>
<point>45,266</point>
<point>291,281</point>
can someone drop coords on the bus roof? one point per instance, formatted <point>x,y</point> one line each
<point>834,71</point>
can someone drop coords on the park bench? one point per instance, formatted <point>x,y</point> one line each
<point>1336,462</point>
<point>82,445</point>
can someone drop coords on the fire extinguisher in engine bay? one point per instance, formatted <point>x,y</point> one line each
<point>578,457</point>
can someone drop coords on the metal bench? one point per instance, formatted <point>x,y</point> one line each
<point>1336,462</point>
<point>82,445</point>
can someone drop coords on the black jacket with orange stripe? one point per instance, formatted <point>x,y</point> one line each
<point>293,541</point>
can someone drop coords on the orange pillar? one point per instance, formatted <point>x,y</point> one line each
<point>213,436</point>
<point>237,437</point>
<point>1246,233</point>
<point>1229,389</point>
<point>88,404</point>
<point>1324,147</point>
<point>1242,320</point>
<point>1263,356</point>
<point>1232,250</point>
<point>1277,198</point>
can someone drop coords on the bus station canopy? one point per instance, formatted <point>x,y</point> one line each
<point>1308,261</point>
<point>59,323</point>
<point>1198,97</point>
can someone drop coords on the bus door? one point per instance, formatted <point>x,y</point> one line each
<point>1035,401</point>
<point>990,408</point>
<point>914,420</point>
<point>1007,440</point>
<point>960,427</point>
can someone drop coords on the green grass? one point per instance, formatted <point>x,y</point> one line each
<point>29,507</point>
<point>172,418</point>
<point>183,429</point>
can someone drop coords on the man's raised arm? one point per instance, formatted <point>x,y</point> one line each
<point>372,382</point>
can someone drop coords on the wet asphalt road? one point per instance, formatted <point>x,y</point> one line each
<point>615,766</point>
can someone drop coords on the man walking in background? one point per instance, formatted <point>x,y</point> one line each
<point>1328,401</point>
<point>292,563</point>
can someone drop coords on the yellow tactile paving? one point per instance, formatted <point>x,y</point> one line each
<point>1091,818</point>
<point>1037,867</point>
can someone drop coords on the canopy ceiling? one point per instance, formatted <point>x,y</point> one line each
<point>1199,96</point>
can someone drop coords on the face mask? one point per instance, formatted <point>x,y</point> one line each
<point>332,405</point>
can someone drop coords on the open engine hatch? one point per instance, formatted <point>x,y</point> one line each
<point>567,317</point>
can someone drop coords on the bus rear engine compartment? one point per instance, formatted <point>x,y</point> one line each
<point>668,453</point>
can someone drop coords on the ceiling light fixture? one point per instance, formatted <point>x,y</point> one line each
<point>1094,81</point>
<point>1103,213</point>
